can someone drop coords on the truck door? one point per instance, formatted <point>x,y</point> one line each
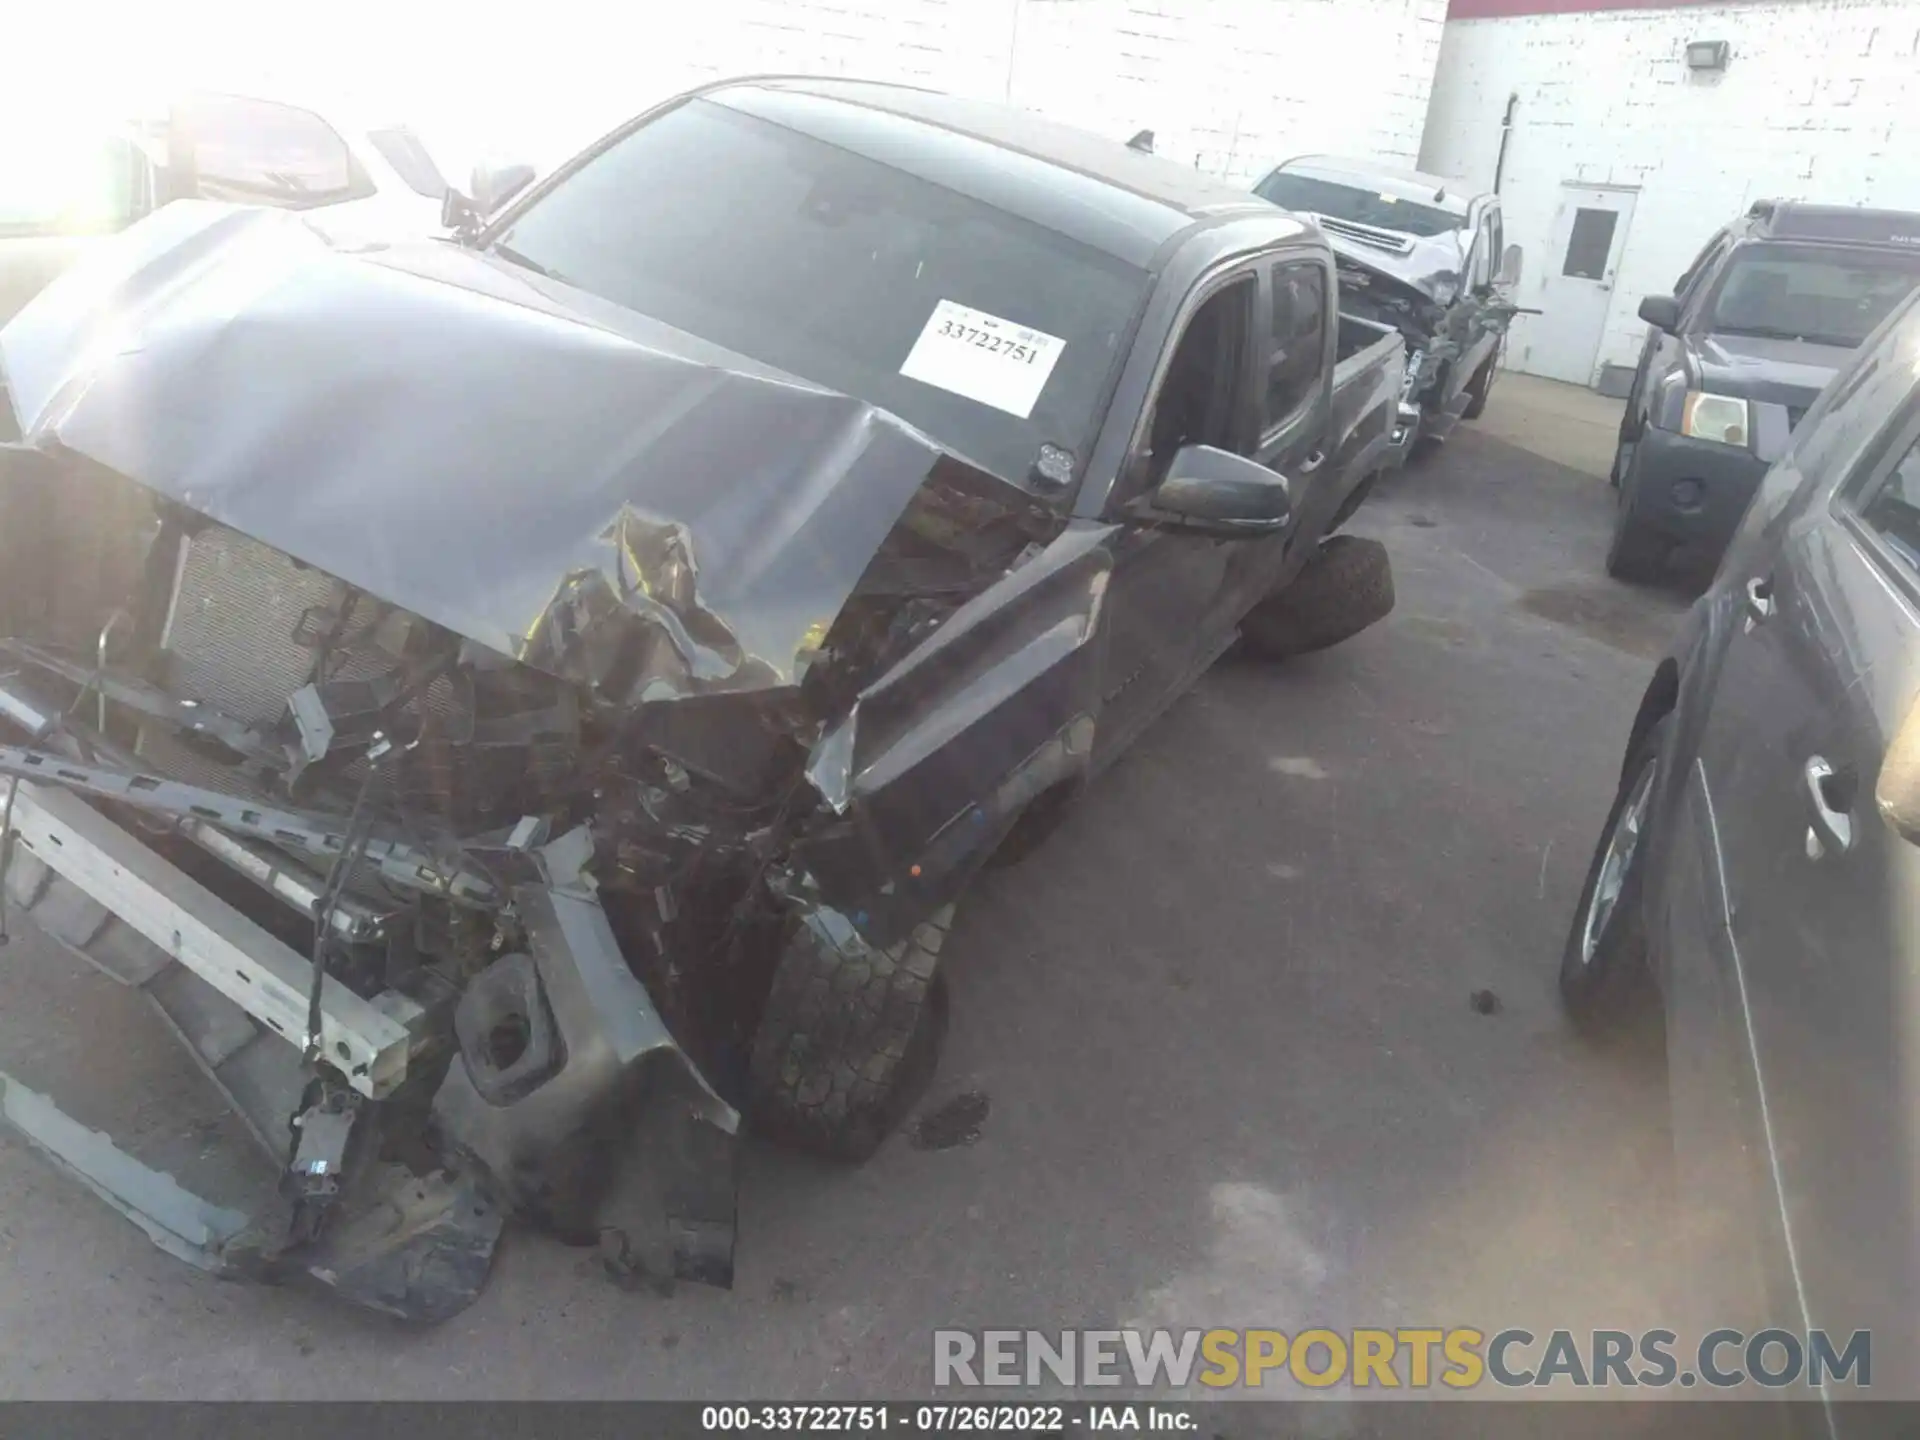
<point>1162,616</point>
<point>1298,344</point>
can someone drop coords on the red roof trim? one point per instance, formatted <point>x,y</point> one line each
<point>1495,9</point>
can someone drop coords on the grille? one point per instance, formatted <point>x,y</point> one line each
<point>1366,235</point>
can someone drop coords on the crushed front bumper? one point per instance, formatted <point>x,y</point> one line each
<point>410,1223</point>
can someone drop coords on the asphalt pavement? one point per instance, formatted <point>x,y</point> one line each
<point>1266,1034</point>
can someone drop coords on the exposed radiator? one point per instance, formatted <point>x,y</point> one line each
<point>231,625</point>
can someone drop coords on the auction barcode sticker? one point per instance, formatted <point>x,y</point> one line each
<point>984,358</point>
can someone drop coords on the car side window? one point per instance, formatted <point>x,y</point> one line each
<point>1702,263</point>
<point>1480,262</point>
<point>265,152</point>
<point>1496,242</point>
<point>1299,355</point>
<point>1892,506</point>
<point>1202,393</point>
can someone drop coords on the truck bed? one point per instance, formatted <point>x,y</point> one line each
<point>1368,378</point>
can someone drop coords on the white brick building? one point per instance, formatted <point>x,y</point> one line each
<point>1236,84</point>
<point>1817,102</point>
<point>1231,85</point>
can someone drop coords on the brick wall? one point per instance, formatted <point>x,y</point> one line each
<point>1811,106</point>
<point>1235,83</point>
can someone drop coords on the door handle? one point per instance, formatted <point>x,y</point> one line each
<point>1312,463</point>
<point>1830,796</point>
<point>1759,601</point>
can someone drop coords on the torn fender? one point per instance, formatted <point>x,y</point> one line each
<point>557,478</point>
<point>937,757</point>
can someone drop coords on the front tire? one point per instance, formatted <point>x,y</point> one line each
<point>1479,388</point>
<point>1606,983</point>
<point>849,1034</point>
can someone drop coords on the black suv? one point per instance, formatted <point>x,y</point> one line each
<point>1754,330</point>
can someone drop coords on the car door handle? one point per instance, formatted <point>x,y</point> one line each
<point>1759,601</point>
<point>1312,463</point>
<point>1830,796</point>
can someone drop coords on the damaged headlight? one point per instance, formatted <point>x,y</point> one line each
<point>1719,418</point>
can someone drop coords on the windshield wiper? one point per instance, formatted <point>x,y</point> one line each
<point>514,257</point>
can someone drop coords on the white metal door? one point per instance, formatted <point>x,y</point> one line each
<point>1589,235</point>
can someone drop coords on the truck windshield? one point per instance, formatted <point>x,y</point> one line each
<point>1308,195</point>
<point>990,333</point>
<point>1820,294</point>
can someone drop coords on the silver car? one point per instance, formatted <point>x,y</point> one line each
<point>1758,882</point>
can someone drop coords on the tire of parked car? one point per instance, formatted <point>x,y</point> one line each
<point>1479,388</point>
<point>1344,588</point>
<point>1636,552</point>
<point>1606,984</point>
<point>849,1035</point>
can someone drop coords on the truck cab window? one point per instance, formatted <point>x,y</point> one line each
<point>1480,264</point>
<point>1199,399</point>
<point>1299,339</point>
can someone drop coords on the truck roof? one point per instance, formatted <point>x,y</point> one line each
<point>1124,202</point>
<point>1834,224</point>
<point>1403,184</point>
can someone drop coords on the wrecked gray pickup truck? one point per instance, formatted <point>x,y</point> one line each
<point>1426,256</point>
<point>517,703</point>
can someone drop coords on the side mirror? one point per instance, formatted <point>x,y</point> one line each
<point>1662,312</point>
<point>1897,793</point>
<point>493,185</point>
<point>1220,493</point>
<point>1510,260</point>
<point>459,214</point>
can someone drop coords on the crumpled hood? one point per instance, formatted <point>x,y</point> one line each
<point>1430,266</point>
<point>1757,367</point>
<point>569,483</point>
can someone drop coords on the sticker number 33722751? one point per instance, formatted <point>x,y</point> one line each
<point>984,358</point>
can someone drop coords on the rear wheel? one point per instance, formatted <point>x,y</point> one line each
<point>1606,984</point>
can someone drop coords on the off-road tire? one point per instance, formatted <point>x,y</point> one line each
<point>1612,994</point>
<point>1479,389</point>
<point>1344,588</point>
<point>849,1035</point>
